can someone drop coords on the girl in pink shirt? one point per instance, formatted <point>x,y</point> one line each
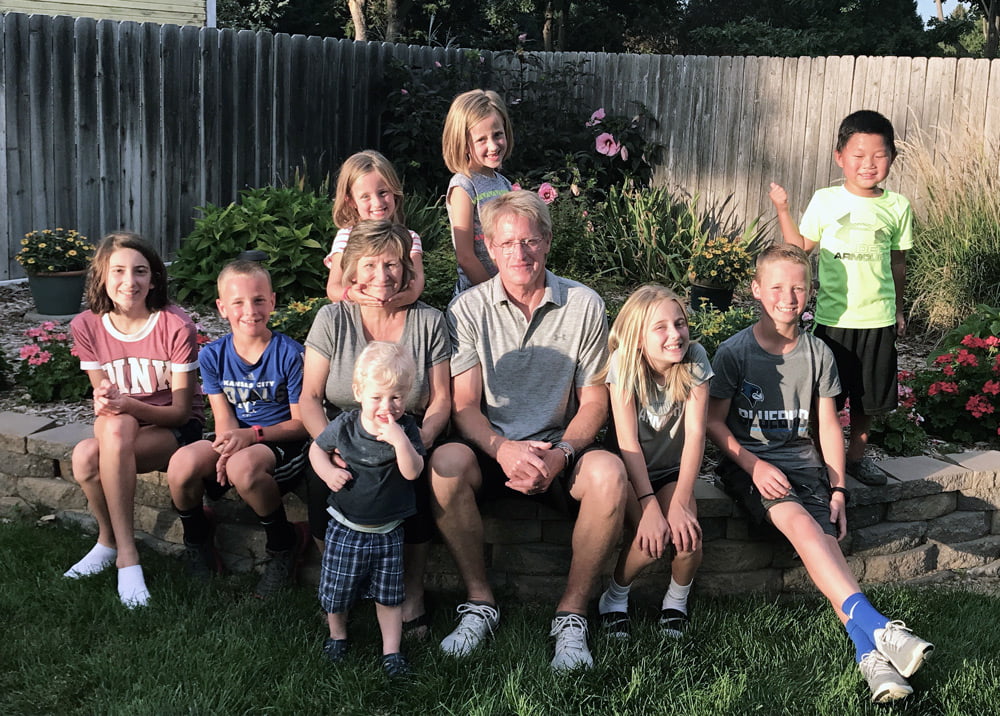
<point>141,355</point>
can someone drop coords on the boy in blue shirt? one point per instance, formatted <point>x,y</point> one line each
<point>770,380</point>
<point>370,498</point>
<point>863,232</point>
<point>253,378</point>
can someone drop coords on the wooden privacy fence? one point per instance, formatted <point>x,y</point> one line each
<point>107,125</point>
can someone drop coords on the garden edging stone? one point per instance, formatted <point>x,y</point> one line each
<point>935,519</point>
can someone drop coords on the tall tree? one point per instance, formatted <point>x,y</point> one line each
<point>357,8</point>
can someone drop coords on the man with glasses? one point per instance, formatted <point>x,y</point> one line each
<point>527,345</point>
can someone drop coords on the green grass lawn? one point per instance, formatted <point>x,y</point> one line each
<point>70,647</point>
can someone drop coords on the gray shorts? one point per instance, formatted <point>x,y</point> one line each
<point>810,488</point>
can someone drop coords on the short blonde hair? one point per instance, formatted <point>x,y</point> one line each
<point>520,203</point>
<point>636,379</point>
<point>345,214</point>
<point>385,363</point>
<point>783,252</point>
<point>375,237</point>
<point>468,109</point>
<point>241,267</point>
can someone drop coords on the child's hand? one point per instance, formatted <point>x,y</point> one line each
<point>358,295</point>
<point>838,514</point>
<point>900,324</point>
<point>108,400</point>
<point>653,532</point>
<point>232,441</point>
<point>779,197</point>
<point>685,532</point>
<point>770,481</point>
<point>221,476</point>
<point>390,432</point>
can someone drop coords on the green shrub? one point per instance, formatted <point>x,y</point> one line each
<point>295,319</point>
<point>428,218</point>
<point>983,323</point>
<point>711,327</point>
<point>292,226</point>
<point>955,259</point>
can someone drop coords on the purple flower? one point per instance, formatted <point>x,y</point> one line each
<point>522,37</point>
<point>596,117</point>
<point>607,145</point>
<point>436,63</point>
<point>548,193</point>
<point>403,91</point>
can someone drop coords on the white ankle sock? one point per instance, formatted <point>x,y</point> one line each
<point>96,560</point>
<point>132,587</point>
<point>614,599</point>
<point>676,596</point>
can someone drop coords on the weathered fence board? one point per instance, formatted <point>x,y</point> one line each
<point>107,125</point>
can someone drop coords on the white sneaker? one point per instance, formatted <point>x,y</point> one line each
<point>905,650</point>
<point>570,631</point>
<point>477,621</point>
<point>885,682</point>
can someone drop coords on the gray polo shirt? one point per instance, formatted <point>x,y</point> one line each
<point>531,368</point>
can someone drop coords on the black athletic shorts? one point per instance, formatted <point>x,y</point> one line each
<point>866,363</point>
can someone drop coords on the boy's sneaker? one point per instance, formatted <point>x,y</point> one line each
<point>866,472</point>
<point>202,561</point>
<point>673,623</point>
<point>902,647</point>
<point>570,631</point>
<point>335,649</point>
<point>885,683</point>
<point>395,665</point>
<point>280,569</point>
<point>476,622</point>
<point>615,625</point>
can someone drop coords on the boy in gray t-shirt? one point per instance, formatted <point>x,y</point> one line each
<point>768,381</point>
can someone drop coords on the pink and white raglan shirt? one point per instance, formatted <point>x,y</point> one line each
<point>140,364</point>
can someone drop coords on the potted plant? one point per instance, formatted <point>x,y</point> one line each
<point>717,267</point>
<point>56,262</point>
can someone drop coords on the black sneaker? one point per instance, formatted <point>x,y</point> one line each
<point>395,665</point>
<point>866,472</point>
<point>335,649</point>
<point>202,561</point>
<point>280,570</point>
<point>673,623</point>
<point>615,625</point>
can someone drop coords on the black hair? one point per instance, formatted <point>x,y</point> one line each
<point>866,121</point>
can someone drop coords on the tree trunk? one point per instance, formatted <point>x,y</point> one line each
<point>547,27</point>
<point>393,26</point>
<point>940,10</point>
<point>358,19</point>
<point>992,28</point>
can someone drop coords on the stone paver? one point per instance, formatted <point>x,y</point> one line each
<point>58,442</point>
<point>16,427</point>
<point>984,464</point>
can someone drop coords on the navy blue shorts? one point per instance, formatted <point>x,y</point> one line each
<point>361,565</point>
<point>289,468</point>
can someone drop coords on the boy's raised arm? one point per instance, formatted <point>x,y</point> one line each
<point>789,229</point>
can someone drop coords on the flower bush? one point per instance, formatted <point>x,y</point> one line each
<point>959,396</point>
<point>295,319</point>
<point>50,368</point>
<point>710,327</point>
<point>721,262</point>
<point>901,431</point>
<point>54,250</point>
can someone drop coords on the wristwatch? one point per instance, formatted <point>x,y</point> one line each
<point>567,450</point>
<point>844,491</point>
<point>258,432</point>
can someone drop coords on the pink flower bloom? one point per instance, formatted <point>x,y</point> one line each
<point>548,193</point>
<point>978,406</point>
<point>966,358</point>
<point>40,359</point>
<point>948,370</point>
<point>607,145</point>
<point>972,341</point>
<point>992,387</point>
<point>845,418</point>
<point>942,387</point>
<point>807,316</point>
<point>596,117</point>
<point>436,63</point>
<point>33,332</point>
<point>28,351</point>
<point>48,325</point>
<point>522,37</point>
<point>515,187</point>
<point>944,358</point>
<point>60,336</point>
<point>993,342</point>
<point>624,153</point>
<point>403,91</point>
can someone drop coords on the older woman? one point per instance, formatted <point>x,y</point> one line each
<point>377,262</point>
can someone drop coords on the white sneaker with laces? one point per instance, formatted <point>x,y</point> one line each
<point>885,683</point>
<point>570,631</point>
<point>904,650</point>
<point>476,622</point>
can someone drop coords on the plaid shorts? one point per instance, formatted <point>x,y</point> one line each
<point>360,565</point>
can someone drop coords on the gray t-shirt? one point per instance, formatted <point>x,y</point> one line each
<point>661,424</point>
<point>772,395</point>
<point>531,369</point>
<point>378,492</point>
<point>481,189</point>
<point>337,335</point>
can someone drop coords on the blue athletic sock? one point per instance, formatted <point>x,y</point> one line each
<point>859,609</point>
<point>862,642</point>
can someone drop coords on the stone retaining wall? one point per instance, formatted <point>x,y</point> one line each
<point>935,517</point>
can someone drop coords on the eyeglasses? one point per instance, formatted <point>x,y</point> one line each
<point>529,245</point>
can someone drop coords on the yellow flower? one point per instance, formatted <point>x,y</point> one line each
<point>42,245</point>
<point>71,252</point>
<point>31,260</point>
<point>24,242</point>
